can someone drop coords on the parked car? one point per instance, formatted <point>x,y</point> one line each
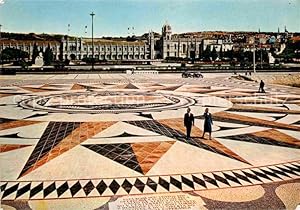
<point>192,75</point>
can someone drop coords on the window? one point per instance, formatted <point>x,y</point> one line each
<point>175,54</point>
<point>168,54</point>
<point>168,46</point>
<point>114,49</point>
<point>102,48</point>
<point>73,48</point>
<point>184,48</point>
<point>175,46</point>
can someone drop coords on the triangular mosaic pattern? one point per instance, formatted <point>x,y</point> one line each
<point>174,129</point>
<point>140,157</point>
<point>58,138</point>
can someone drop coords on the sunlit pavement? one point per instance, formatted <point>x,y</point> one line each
<point>117,141</point>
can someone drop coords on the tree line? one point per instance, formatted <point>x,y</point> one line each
<point>18,56</point>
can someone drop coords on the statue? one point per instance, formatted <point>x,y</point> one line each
<point>39,60</point>
<point>271,58</point>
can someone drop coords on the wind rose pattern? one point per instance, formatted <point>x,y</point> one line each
<point>102,139</point>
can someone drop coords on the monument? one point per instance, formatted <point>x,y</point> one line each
<point>271,58</point>
<point>39,60</point>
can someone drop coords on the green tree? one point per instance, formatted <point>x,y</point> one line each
<point>35,52</point>
<point>214,54</point>
<point>12,54</point>
<point>48,55</point>
<point>291,51</point>
<point>229,54</point>
<point>221,54</point>
<point>240,55</point>
<point>206,53</point>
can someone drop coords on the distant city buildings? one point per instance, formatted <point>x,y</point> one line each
<point>153,46</point>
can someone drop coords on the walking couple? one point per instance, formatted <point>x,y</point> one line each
<point>189,122</point>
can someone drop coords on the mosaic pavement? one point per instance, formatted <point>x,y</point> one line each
<point>91,140</point>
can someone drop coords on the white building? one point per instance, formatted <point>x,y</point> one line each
<point>78,48</point>
<point>173,46</point>
<point>190,47</point>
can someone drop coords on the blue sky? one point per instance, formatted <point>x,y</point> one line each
<point>113,17</point>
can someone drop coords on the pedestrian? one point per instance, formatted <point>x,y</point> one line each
<point>261,87</point>
<point>207,123</point>
<point>188,122</point>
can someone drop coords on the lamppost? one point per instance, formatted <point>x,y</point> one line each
<point>254,71</point>
<point>254,60</point>
<point>1,55</point>
<point>85,34</point>
<point>92,15</point>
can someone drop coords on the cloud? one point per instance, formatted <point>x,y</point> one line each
<point>1,2</point>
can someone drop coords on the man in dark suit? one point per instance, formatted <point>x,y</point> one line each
<point>261,87</point>
<point>188,122</point>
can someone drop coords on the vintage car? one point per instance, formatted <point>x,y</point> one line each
<point>192,75</point>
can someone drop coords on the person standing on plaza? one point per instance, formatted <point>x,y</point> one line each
<point>188,122</point>
<point>207,123</point>
<point>261,87</point>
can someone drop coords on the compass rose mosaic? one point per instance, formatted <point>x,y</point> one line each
<point>63,140</point>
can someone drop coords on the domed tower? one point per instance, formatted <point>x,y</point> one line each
<point>166,31</point>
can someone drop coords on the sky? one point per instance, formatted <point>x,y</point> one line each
<point>114,17</point>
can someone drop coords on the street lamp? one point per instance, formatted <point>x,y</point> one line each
<point>254,71</point>
<point>1,55</point>
<point>92,14</point>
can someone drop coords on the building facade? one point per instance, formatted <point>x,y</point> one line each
<point>79,48</point>
<point>166,45</point>
<point>28,45</point>
<point>189,47</point>
<point>173,46</point>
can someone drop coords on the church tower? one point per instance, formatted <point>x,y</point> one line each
<point>166,32</point>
